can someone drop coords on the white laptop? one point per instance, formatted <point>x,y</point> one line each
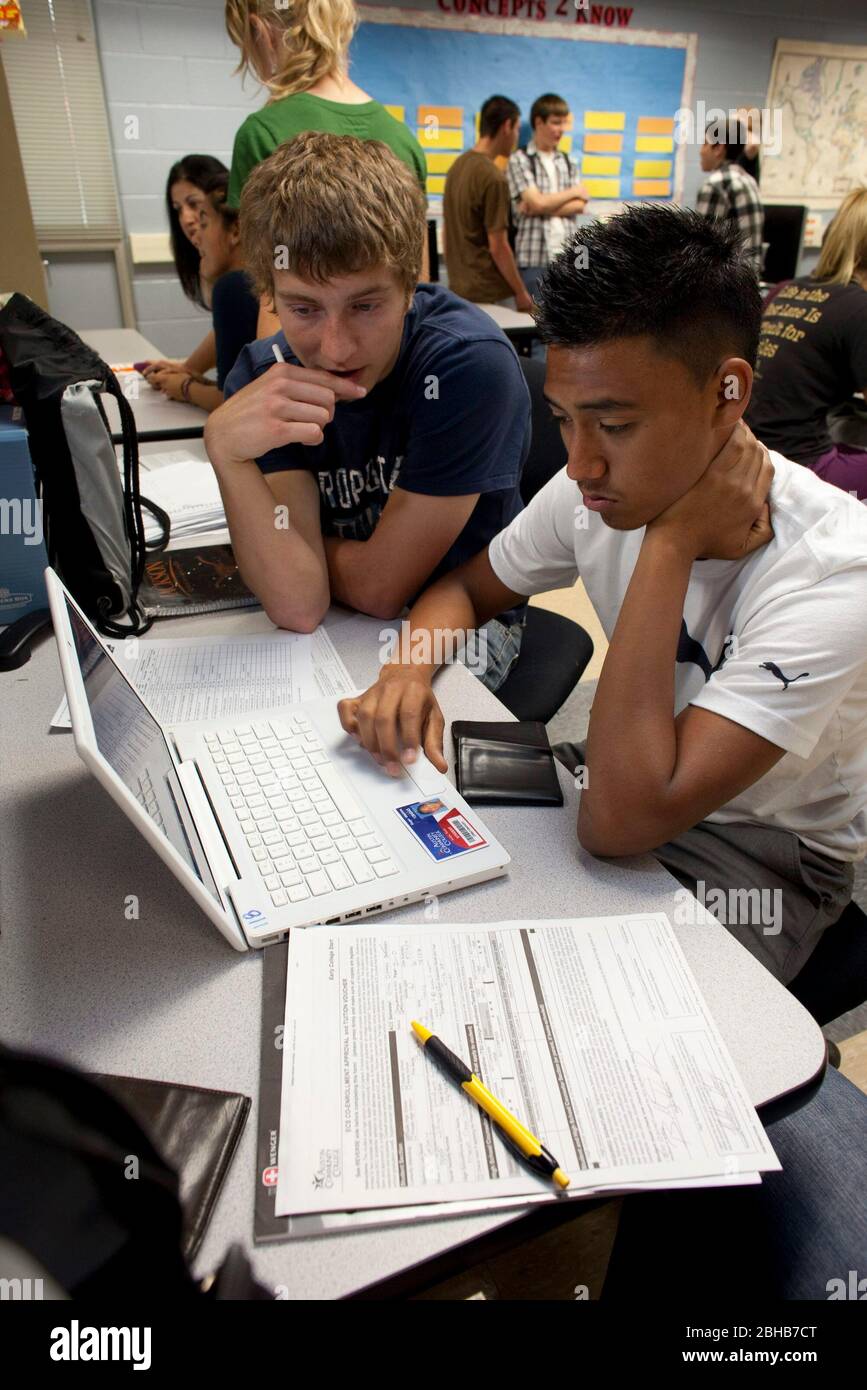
<point>269,822</point>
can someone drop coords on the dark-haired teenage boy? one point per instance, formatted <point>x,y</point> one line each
<point>729,728</point>
<point>480,261</point>
<point>387,444</point>
<point>729,193</point>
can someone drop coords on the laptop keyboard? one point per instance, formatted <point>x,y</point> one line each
<point>304,829</point>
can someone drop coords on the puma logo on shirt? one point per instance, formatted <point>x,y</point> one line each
<point>775,671</point>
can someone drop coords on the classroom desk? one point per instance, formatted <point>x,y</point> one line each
<point>165,997</point>
<point>156,417</point>
<point>519,328</point>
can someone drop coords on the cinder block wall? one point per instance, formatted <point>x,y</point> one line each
<point>170,66</point>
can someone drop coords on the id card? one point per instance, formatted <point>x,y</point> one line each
<point>443,832</point>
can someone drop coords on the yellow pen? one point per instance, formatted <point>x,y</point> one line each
<point>516,1135</point>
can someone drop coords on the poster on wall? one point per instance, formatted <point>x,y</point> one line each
<point>624,90</point>
<point>11,19</point>
<point>818,94</point>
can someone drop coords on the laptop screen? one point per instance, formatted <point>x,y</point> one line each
<point>131,740</point>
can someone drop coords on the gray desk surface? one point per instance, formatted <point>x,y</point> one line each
<point>156,416</point>
<point>165,997</point>
<point>510,320</point>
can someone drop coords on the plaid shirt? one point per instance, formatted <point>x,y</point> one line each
<point>731,194</point>
<point>525,167</point>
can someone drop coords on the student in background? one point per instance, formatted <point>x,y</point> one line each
<point>729,730</point>
<point>300,52</point>
<point>481,264</point>
<point>387,445</point>
<point>729,193</point>
<point>750,158</point>
<point>185,197</point>
<point>813,354</point>
<point>546,191</point>
<point>234,307</point>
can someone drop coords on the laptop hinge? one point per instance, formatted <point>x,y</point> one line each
<point>222,865</point>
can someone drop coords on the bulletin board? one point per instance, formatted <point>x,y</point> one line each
<point>433,71</point>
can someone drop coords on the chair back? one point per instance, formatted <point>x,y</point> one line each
<point>547,451</point>
<point>834,980</point>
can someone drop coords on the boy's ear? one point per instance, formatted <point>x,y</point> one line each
<point>734,382</point>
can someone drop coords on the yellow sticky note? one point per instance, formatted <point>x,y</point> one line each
<point>436,183</point>
<point>650,168</point>
<point>600,164</point>
<point>440,163</point>
<point>654,144</point>
<point>397,112</point>
<point>565,144</point>
<point>440,139</point>
<point>651,188</point>
<point>655,125</point>
<point>450,116</point>
<point>604,120</point>
<point>602,188</point>
<point>603,144</point>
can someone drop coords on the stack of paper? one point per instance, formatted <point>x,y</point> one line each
<point>593,1032</point>
<point>190,494</point>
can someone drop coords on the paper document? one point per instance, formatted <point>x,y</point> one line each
<point>270,1227</point>
<point>221,677</point>
<point>164,458</point>
<point>189,492</point>
<point>592,1032</point>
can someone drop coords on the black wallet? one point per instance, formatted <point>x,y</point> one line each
<point>195,1130</point>
<point>505,764</point>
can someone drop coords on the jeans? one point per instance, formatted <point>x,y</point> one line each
<point>500,646</point>
<point>531,275</point>
<point>790,1238</point>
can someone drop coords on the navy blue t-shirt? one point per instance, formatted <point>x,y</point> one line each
<point>451,418</point>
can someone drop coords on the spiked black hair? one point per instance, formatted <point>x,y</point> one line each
<point>660,272</point>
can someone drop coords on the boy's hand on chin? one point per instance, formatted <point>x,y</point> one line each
<point>725,514</point>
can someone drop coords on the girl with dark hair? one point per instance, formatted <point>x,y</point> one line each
<point>184,199</point>
<point>210,228</point>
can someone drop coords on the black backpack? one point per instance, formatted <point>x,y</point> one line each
<point>91,520</point>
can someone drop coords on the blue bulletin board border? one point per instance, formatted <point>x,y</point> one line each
<point>365,58</point>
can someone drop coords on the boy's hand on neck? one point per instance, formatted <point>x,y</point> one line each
<point>725,514</point>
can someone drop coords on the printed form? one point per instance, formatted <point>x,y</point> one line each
<point>224,677</point>
<point>593,1033</point>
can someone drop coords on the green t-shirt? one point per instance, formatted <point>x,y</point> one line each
<point>282,120</point>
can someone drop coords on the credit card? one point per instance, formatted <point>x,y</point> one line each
<point>443,832</point>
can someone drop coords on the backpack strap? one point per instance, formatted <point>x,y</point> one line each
<point>132,504</point>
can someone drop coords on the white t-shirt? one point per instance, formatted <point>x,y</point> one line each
<point>796,673</point>
<point>556,225</point>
